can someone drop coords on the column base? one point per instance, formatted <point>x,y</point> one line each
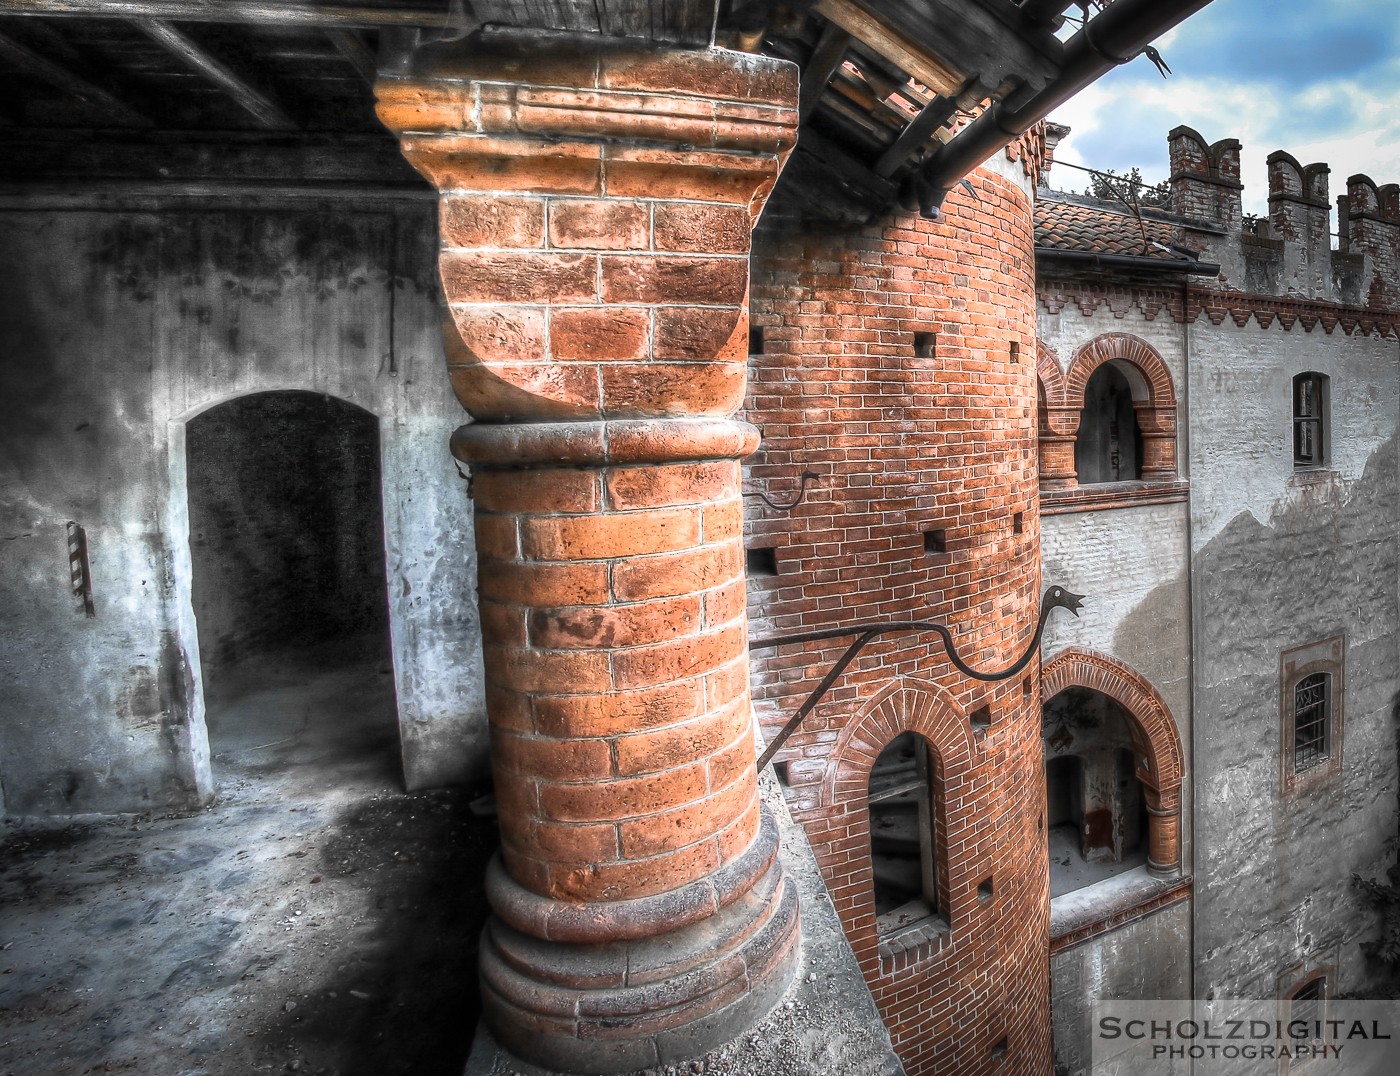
<point>616,1006</point>
<point>825,1022</point>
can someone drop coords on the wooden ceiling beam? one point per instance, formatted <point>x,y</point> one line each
<point>262,108</point>
<point>900,49</point>
<point>933,115</point>
<point>44,69</point>
<point>360,56</point>
<point>826,58</point>
<point>322,13</point>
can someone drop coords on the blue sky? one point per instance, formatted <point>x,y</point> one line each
<point>1320,80</point>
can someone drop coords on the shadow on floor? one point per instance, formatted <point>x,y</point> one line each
<point>315,919</point>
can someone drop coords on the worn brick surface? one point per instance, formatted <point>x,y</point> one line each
<point>899,444</point>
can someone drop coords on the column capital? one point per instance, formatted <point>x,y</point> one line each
<point>596,210</point>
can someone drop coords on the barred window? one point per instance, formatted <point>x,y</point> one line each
<point>1312,718</point>
<point>1311,721</point>
<point>1309,420</point>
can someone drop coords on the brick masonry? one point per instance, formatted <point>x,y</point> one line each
<point>898,365</point>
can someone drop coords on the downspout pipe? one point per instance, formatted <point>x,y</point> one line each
<point>1116,35</point>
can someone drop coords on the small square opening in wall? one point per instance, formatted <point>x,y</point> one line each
<point>1018,523</point>
<point>984,891</point>
<point>981,719</point>
<point>936,540</point>
<point>925,345</point>
<point>762,561</point>
<point>1015,351</point>
<point>755,339</point>
<point>1027,688</point>
<point>780,771</point>
<point>1000,1048</point>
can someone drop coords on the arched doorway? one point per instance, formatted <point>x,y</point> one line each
<point>288,590</point>
<point>1096,809</point>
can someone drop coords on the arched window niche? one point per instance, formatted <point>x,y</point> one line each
<point>1108,446</point>
<point>907,863</point>
<point>1107,427</point>
<point>1096,815</point>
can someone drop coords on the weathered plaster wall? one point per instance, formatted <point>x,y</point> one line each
<point>1143,960</point>
<point>1280,559</point>
<point>115,328</point>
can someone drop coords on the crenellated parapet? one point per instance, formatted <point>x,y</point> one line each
<point>1369,219</point>
<point>1205,179</point>
<point>1294,252</point>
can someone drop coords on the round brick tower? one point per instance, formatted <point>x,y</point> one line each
<point>898,366</point>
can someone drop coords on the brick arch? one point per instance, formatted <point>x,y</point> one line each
<point>1157,379</point>
<point>903,705</point>
<point>906,705</point>
<point>1052,377</point>
<point>1154,396</point>
<point>1154,734</point>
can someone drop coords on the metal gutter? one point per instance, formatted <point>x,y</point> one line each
<point>1129,261</point>
<point>1116,35</point>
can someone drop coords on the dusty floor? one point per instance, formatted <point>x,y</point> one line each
<point>315,919</point>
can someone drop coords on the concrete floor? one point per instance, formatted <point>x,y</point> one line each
<point>1069,871</point>
<point>315,919</point>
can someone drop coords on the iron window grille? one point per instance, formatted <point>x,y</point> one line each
<point>1311,721</point>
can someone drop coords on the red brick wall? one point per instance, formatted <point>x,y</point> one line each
<point>902,444</point>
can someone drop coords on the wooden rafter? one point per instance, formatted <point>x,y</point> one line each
<point>360,56</point>
<point>934,114</point>
<point>826,58</point>
<point>250,100</point>
<point>40,67</point>
<point>272,12</point>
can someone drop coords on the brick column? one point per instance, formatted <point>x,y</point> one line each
<point>596,210</point>
<point>1158,428</point>
<point>1058,429</point>
<point>1163,832</point>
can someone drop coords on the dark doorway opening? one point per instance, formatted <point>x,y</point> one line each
<point>287,549</point>
<point>1096,808</point>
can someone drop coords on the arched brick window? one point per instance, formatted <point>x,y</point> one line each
<point>912,735</point>
<point>1136,383</point>
<point>908,865</point>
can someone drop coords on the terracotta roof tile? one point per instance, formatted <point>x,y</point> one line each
<point>1101,229</point>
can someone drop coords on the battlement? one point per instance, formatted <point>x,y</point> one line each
<point>1290,252</point>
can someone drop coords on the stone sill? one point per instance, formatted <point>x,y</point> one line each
<point>923,936</point>
<point>1101,496</point>
<point>1087,913</point>
<point>1311,476</point>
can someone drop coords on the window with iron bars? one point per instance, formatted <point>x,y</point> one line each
<point>1311,721</point>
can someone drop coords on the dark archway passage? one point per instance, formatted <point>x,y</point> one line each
<point>1096,808</point>
<point>287,549</point>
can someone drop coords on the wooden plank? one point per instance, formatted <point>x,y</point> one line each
<point>31,63</point>
<point>900,49</point>
<point>361,57</point>
<point>987,38</point>
<point>826,58</point>
<point>410,13</point>
<point>933,115</point>
<point>250,100</point>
